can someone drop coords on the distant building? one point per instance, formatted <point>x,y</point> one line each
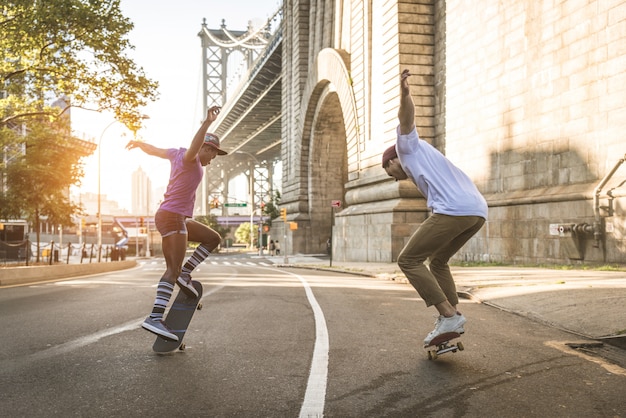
<point>89,202</point>
<point>141,193</point>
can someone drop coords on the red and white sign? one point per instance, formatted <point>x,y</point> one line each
<point>335,203</point>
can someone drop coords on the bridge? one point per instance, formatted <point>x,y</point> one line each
<point>249,126</point>
<point>319,99</point>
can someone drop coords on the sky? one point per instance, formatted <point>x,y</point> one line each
<point>167,47</point>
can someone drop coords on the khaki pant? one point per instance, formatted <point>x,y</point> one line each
<point>437,239</point>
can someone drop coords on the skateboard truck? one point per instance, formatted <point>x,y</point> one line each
<point>443,344</point>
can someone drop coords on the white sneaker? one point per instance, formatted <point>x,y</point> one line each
<point>187,287</point>
<point>443,325</point>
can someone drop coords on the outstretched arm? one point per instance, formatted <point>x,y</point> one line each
<point>147,148</point>
<point>406,112</point>
<point>198,139</point>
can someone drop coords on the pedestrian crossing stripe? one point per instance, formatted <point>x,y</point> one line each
<point>158,263</point>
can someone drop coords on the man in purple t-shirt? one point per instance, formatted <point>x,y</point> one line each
<point>173,218</point>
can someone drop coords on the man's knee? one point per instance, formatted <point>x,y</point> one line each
<point>407,262</point>
<point>211,240</point>
<point>438,264</point>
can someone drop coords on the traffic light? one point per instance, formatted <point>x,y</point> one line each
<point>283,214</point>
<point>215,203</point>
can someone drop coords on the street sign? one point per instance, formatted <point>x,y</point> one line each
<point>335,203</point>
<point>235,205</point>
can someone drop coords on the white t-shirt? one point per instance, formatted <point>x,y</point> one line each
<point>448,190</point>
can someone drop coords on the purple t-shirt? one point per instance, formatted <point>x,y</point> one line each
<point>180,195</point>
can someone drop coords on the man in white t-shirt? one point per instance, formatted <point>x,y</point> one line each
<point>458,212</point>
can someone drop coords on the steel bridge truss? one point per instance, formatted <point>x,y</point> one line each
<point>222,73</point>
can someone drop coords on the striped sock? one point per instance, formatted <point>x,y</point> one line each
<point>198,256</point>
<point>164,293</point>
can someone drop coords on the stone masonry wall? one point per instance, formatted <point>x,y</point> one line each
<point>527,97</point>
<point>535,113</point>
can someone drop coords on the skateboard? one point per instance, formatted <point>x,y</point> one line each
<point>178,319</point>
<point>444,343</point>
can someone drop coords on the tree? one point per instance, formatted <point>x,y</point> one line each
<point>70,49</point>
<point>39,178</point>
<point>271,208</point>
<point>211,222</point>
<point>242,234</point>
<point>73,48</point>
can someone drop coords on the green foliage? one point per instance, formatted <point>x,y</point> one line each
<point>271,208</point>
<point>70,49</point>
<point>211,222</point>
<point>242,234</point>
<point>39,179</point>
<point>75,48</point>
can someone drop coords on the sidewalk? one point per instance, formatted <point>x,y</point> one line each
<point>588,303</point>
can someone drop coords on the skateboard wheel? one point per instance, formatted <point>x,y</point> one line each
<point>199,306</point>
<point>182,347</point>
<point>460,345</point>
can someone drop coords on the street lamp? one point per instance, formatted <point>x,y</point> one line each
<point>260,235</point>
<point>99,175</point>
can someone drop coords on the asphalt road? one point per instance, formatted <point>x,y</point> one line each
<point>280,342</point>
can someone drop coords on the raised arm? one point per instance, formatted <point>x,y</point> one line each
<point>198,139</point>
<point>406,112</point>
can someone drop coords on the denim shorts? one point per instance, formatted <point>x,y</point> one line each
<point>170,223</point>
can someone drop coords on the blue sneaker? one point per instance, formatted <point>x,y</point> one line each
<point>158,327</point>
<point>186,286</point>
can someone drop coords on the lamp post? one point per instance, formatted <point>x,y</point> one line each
<point>99,175</point>
<point>260,234</point>
<point>148,218</point>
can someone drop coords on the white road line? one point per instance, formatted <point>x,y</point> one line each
<point>85,340</point>
<point>315,395</point>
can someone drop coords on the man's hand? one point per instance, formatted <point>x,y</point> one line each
<point>132,144</point>
<point>213,113</point>
<point>404,82</point>
<point>406,112</point>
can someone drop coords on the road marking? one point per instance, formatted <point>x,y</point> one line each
<point>69,346</point>
<point>315,395</point>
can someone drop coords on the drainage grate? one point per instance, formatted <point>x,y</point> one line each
<point>612,351</point>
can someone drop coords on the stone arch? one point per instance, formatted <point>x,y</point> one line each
<point>333,66</point>
<point>327,169</point>
<point>329,142</point>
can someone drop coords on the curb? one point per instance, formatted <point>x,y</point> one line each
<point>14,276</point>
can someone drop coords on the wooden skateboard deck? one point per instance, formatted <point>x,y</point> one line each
<point>178,319</point>
<point>444,343</point>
